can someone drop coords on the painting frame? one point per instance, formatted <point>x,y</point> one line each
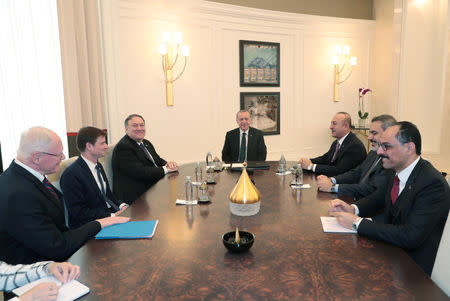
<point>259,64</point>
<point>264,108</point>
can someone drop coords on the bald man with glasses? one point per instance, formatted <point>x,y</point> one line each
<point>32,218</point>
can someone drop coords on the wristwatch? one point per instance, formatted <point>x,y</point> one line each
<point>333,188</point>
<point>356,223</point>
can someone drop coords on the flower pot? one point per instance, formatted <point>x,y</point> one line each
<point>361,123</point>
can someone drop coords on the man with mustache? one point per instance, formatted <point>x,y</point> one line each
<point>362,180</point>
<point>244,143</point>
<point>415,199</point>
<point>136,164</point>
<point>345,153</point>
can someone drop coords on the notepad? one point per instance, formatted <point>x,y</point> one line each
<point>331,225</point>
<point>67,292</point>
<point>130,230</point>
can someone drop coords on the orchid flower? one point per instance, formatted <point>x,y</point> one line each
<point>362,92</point>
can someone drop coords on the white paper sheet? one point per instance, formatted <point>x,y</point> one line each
<point>67,292</point>
<point>331,225</point>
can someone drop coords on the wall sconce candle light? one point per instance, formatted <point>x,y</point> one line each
<point>170,51</point>
<point>341,60</point>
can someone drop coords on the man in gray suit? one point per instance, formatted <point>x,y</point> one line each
<point>363,179</point>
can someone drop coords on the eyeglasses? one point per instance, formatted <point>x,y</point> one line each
<point>386,146</point>
<point>60,155</point>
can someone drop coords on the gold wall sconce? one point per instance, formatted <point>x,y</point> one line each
<point>171,50</point>
<point>342,61</point>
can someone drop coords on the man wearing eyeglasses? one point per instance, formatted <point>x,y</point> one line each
<point>32,216</point>
<point>364,179</point>
<point>415,199</point>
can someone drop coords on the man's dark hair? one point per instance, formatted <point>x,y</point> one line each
<point>386,120</point>
<point>131,117</point>
<point>408,132</point>
<point>88,134</point>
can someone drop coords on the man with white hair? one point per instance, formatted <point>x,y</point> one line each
<point>32,220</point>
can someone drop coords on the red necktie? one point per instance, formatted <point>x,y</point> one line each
<point>395,189</point>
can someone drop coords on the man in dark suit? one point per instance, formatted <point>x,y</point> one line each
<point>363,179</point>
<point>84,183</point>
<point>244,143</point>
<point>345,153</point>
<point>415,199</point>
<point>136,165</point>
<point>32,219</point>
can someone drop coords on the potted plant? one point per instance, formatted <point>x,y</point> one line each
<point>361,112</point>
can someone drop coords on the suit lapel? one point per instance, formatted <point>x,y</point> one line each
<point>39,185</point>
<point>344,144</point>
<point>139,151</point>
<point>407,190</point>
<point>250,141</point>
<point>237,138</point>
<point>402,203</point>
<point>89,176</point>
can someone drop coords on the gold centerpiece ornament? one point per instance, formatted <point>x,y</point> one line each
<point>245,197</point>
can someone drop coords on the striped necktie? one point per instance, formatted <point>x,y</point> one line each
<point>53,192</point>
<point>50,188</point>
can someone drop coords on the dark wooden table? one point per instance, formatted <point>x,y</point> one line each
<point>291,259</point>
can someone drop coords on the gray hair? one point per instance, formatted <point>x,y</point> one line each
<point>347,118</point>
<point>34,139</point>
<point>242,111</point>
<point>386,120</point>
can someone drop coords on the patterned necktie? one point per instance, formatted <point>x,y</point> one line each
<point>243,149</point>
<point>50,188</point>
<point>147,153</point>
<point>395,189</point>
<point>53,192</point>
<point>335,152</point>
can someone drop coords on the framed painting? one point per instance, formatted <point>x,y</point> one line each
<point>259,64</point>
<point>264,109</point>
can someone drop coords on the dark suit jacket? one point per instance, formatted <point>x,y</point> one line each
<point>84,199</point>
<point>351,153</point>
<point>357,182</point>
<point>32,226</point>
<point>256,148</point>
<point>133,171</point>
<point>416,221</point>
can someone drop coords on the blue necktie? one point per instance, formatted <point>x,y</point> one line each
<point>147,153</point>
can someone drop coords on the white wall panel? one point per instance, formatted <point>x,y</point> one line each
<point>207,95</point>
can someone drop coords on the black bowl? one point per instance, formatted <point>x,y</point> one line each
<point>246,242</point>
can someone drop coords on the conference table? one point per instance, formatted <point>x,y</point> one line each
<point>291,258</point>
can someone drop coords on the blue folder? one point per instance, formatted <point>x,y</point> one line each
<point>130,230</point>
